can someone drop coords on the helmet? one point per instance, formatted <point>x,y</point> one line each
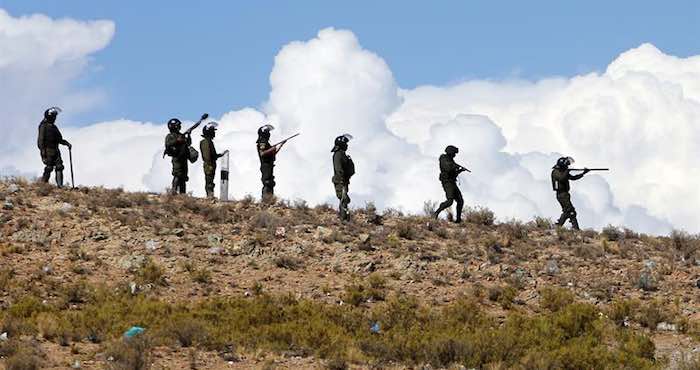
<point>564,162</point>
<point>264,131</point>
<point>51,113</point>
<point>341,142</point>
<point>210,129</point>
<point>451,150</point>
<point>174,124</point>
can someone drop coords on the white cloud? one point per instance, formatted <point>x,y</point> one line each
<point>637,118</point>
<point>39,57</point>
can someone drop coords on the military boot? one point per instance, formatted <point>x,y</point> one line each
<point>574,223</point>
<point>59,179</point>
<point>46,176</point>
<point>174,186</point>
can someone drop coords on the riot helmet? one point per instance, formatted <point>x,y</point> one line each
<point>174,125</point>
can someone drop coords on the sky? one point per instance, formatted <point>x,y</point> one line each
<point>513,86</point>
<point>178,58</point>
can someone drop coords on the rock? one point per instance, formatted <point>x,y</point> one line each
<point>214,240</point>
<point>99,236</point>
<point>216,250</point>
<point>152,245</point>
<point>3,337</point>
<point>664,326</point>
<point>552,268</point>
<point>649,264</point>
<point>179,232</point>
<point>280,232</point>
<point>323,233</point>
<point>47,269</point>
<point>8,206</point>
<point>133,288</point>
<point>76,365</point>
<point>133,262</point>
<point>65,207</point>
<point>365,238</point>
<point>13,188</point>
<point>697,283</point>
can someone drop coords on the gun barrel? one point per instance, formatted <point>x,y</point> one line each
<point>590,169</point>
<point>289,138</point>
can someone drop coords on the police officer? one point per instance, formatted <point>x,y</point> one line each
<point>560,184</point>
<point>343,169</point>
<point>449,170</point>
<point>267,154</point>
<point>177,146</point>
<point>209,156</point>
<point>48,140</point>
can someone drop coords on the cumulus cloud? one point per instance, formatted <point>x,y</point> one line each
<point>638,117</point>
<point>39,57</point>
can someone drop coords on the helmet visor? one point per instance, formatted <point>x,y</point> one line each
<point>570,161</point>
<point>211,126</point>
<point>267,128</point>
<point>348,137</point>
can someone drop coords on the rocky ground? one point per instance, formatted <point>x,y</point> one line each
<point>182,249</point>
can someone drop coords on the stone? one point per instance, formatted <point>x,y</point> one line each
<point>13,188</point>
<point>152,245</point>
<point>3,337</point>
<point>99,236</point>
<point>8,206</point>
<point>552,267</point>
<point>649,264</point>
<point>216,250</point>
<point>664,326</point>
<point>132,262</point>
<point>179,232</point>
<point>65,207</point>
<point>280,232</point>
<point>214,240</point>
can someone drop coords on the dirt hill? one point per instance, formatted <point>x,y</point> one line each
<point>246,285</point>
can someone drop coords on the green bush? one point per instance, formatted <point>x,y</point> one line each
<point>568,335</point>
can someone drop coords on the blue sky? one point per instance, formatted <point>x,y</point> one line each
<point>179,58</point>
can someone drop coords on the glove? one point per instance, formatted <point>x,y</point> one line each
<point>69,145</point>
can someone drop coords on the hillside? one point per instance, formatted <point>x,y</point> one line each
<point>245,285</point>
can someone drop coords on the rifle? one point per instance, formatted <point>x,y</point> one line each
<point>287,139</point>
<point>462,169</point>
<point>189,130</point>
<point>590,169</point>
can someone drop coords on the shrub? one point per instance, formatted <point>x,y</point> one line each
<point>543,222</point>
<point>612,233</point>
<point>429,208</point>
<point>515,229</point>
<point>265,220</point>
<point>151,273</point>
<point>288,262</point>
<point>406,230</point>
<point>555,299</point>
<point>132,354</point>
<point>6,275</point>
<point>684,243</point>
<point>479,216</point>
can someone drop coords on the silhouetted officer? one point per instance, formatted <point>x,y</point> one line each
<point>560,184</point>
<point>449,170</point>
<point>48,140</point>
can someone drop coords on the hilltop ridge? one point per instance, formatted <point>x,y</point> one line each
<point>69,255</point>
